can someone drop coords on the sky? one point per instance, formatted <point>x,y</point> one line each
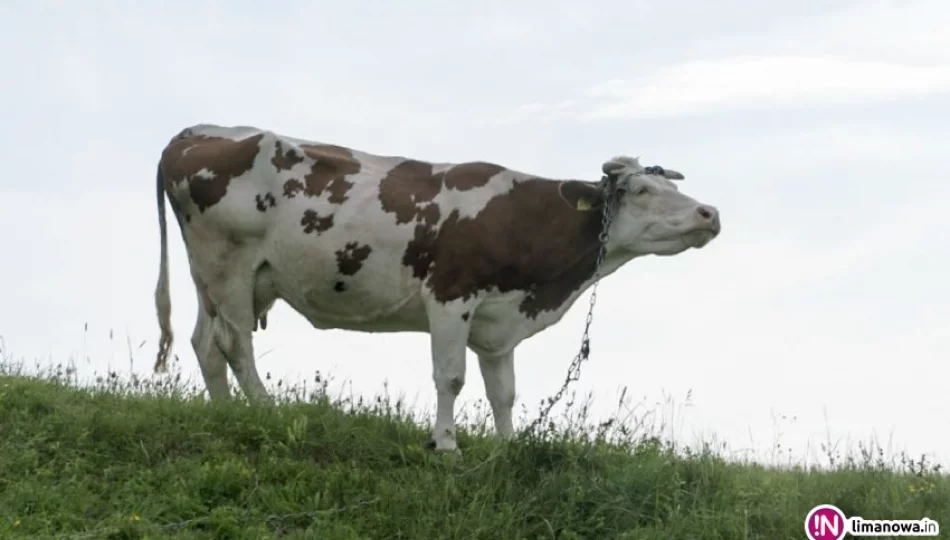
<point>821,314</point>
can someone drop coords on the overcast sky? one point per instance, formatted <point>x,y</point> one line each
<point>819,129</point>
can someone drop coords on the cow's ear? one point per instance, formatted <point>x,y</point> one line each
<point>582,196</point>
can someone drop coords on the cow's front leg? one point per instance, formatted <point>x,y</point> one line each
<point>448,329</point>
<point>498,372</point>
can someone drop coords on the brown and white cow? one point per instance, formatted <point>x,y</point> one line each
<point>477,255</point>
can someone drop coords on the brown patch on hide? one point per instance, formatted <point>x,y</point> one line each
<point>350,259</point>
<point>220,158</point>
<point>315,223</point>
<point>527,239</point>
<point>328,170</point>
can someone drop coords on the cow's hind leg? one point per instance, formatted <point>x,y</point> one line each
<point>214,366</point>
<point>234,340</point>
<point>233,293</point>
<point>498,373</point>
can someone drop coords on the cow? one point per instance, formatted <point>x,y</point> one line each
<point>477,255</point>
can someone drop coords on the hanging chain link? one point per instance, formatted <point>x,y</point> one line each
<point>574,371</point>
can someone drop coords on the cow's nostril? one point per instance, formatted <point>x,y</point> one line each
<point>704,212</point>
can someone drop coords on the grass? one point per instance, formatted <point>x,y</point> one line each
<point>129,459</point>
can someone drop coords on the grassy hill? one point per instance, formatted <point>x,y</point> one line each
<point>141,460</point>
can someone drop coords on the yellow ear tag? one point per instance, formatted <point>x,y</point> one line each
<point>583,205</point>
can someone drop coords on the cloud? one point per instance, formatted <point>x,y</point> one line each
<point>757,81</point>
<point>867,52</point>
<point>885,30</point>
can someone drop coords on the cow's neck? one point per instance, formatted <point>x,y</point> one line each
<point>613,260</point>
<point>576,269</point>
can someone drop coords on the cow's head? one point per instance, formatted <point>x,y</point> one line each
<point>649,214</point>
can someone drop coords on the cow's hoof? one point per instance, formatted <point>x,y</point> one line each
<point>448,447</point>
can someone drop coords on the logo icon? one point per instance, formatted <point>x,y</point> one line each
<point>825,522</point>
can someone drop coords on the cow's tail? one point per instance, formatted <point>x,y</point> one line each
<point>163,302</point>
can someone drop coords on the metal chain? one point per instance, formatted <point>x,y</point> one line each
<point>574,370</point>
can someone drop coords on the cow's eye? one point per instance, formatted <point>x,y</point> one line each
<point>643,191</point>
